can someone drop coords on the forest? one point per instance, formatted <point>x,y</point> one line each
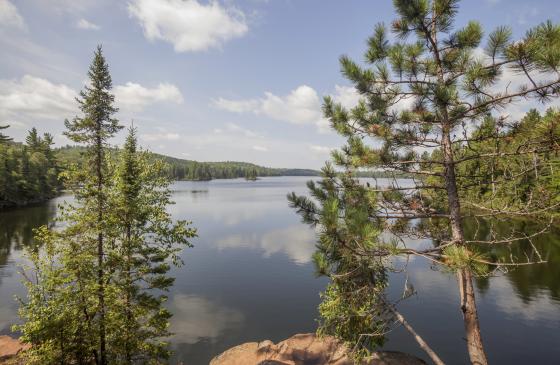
<point>436,169</point>
<point>29,172</point>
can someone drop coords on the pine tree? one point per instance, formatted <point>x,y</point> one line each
<point>420,102</point>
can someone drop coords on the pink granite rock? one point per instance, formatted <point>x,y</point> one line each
<point>10,347</point>
<point>304,349</point>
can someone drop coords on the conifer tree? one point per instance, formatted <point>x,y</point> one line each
<point>4,138</point>
<point>96,287</point>
<point>94,129</point>
<point>33,140</point>
<point>147,243</point>
<point>421,100</point>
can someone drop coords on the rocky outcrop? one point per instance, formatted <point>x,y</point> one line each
<point>10,348</point>
<point>304,349</point>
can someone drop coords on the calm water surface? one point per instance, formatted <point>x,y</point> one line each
<point>250,278</point>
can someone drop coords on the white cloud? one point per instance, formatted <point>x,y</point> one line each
<point>348,96</point>
<point>232,127</point>
<point>237,106</point>
<point>69,6</point>
<point>86,25</point>
<point>34,97</point>
<point>187,24</point>
<point>151,137</point>
<point>320,149</point>
<point>260,148</point>
<point>135,97</point>
<point>9,15</point>
<point>300,106</point>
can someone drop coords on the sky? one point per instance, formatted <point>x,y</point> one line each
<point>218,80</point>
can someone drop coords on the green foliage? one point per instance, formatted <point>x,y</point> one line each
<point>430,104</point>
<point>351,253</point>
<point>147,243</point>
<point>459,257</point>
<point>179,169</point>
<point>4,138</point>
<point>28,172</point>
<point>524,177</point>
<point>251,175</point>
<point>432,109</point>
<point>97,285</point>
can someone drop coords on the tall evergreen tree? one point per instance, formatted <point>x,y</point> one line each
<point>147,243</point>
<point>97,286</point>
<point>420,102</point>
<point>94,129</point>
<point>33,140</point>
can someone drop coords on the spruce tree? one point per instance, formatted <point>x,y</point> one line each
<point>33,140</point>
<point>79,250</point>
<point>96,287</point>
<point>421,100</point>
<point>94,129</point>
<point>147,243</point>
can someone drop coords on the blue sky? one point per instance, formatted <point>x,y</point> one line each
<point>206,80</point>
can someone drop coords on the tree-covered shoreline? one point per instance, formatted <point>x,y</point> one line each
<point>29,172</point>
<point>190,170</point>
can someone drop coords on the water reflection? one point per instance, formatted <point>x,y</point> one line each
<point>249,278</point>
<point>295,241</point>
<point>16,228</point>
<point>197,318</point>
<point>16,232</point>
<point>529,281</point>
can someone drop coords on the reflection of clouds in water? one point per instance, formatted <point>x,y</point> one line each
<point>298,242</point>
<point>232,217</point>
<point>442,288</point>
<point>196,318</point>
<point>540,308</point>
<point>230,213</point>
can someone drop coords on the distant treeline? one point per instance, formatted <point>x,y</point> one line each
<point>28,171</point>
<point>180,169</point>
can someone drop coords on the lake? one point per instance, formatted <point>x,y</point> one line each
<point>250,278</point>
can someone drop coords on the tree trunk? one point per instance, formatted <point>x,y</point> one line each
<point>100,252</point>
<point>423,345</point>
<point>128,351</point>
<point>468,304</point>
<point>466,290</point>
<point>470,316</point>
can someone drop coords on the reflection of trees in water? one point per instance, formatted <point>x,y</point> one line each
<point>356,310</point>
<point>526,280</point>
<point>16,227</point>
